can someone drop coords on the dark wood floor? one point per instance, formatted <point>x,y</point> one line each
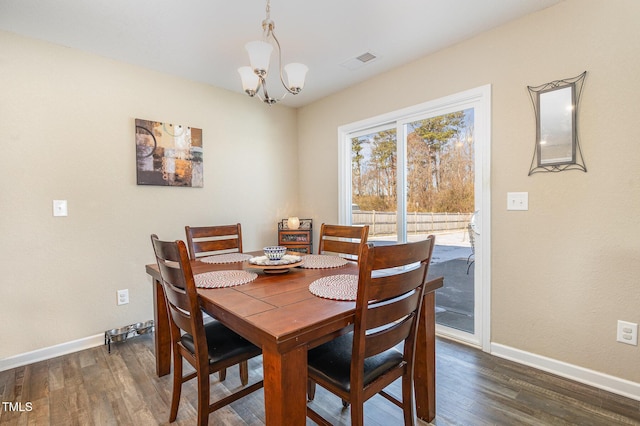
<point>93,387</point>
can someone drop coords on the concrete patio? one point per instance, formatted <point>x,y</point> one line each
<point>454,301</point>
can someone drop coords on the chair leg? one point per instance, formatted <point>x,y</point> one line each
<point>311,390</point>
<point>407,399</point>
<point>177,386</point>
<point>203,398</point>
<point>222,374</point>
<point>357,413</point>
<point>244,373</point>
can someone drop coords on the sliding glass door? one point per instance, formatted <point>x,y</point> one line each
<point>413,173</point>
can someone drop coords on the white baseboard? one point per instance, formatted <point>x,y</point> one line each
<point>51,352</point>
<point>593,378</point>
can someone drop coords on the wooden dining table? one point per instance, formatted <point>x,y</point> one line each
<point>277,312</point>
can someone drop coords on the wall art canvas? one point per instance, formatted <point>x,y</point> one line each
<point>168,154</point>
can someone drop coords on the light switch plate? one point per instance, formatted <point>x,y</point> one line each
<point>517,201</point>
<point>60,208</point>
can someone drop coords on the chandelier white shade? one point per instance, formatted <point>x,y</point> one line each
<point>254,77</point>
<point>296,74</point>
<point>250,80</point>
<point>259,55</point>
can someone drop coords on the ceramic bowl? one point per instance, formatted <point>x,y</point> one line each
<point>275,252</point>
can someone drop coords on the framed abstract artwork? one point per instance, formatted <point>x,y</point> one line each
<point>168,154</point>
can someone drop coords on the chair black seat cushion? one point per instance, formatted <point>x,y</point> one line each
<point>332,362</point>
<point>223,343</point>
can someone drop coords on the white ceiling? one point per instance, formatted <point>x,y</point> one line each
<point>203,40</point>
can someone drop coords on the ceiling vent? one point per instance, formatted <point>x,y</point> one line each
<point>366,57</point>
<point>359,61</point>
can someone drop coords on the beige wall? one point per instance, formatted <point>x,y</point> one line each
<point>565,271</point>
<point>67,132</point>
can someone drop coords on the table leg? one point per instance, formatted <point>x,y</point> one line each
<point>285,386</point>
<point>162,333</point>
<point>424,375</point>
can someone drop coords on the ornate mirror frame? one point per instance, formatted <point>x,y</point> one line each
<point>556,108</point>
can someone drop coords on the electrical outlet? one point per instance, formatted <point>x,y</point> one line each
<point>123,297</point>
<point>627,333</point>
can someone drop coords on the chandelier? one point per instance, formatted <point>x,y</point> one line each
<point>254,76</point>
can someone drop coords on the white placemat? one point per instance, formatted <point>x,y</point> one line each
<point>336,287</point>
<point>226,258</point>
<point>220,279</point>
<point>322,261</point>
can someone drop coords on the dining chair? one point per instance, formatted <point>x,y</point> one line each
<point>209,240</point>
<point>208,347</point>
<point>342,239</point>
<point>360,364</point>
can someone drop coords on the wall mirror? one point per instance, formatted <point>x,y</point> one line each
<point>556,108</point>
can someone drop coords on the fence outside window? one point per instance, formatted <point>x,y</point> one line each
<point>385,223</point>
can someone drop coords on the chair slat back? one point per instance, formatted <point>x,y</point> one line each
<point>377,343</point>
<point>390,292</point>
<point>386,312</point>
<point>207,240</point>
<point>180,292</point>
<point>342,239</point>
<point>386,287</point>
